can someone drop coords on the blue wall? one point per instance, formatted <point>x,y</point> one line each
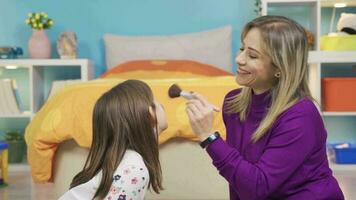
<point>91,19</point>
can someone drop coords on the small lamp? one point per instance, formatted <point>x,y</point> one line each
<point>336,5</point>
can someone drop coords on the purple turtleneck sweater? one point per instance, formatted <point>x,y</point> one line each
<point>289,162</point>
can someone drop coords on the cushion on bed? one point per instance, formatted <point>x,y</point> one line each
<point>212,47</point>
<point>158,69</point>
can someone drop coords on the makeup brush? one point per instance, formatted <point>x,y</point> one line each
<point>174,91</point>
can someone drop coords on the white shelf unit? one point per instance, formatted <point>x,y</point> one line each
<point>36,78</point>
<point>319,58</point>
<point>22,115</point>
<point>330,3</point>
<point>315,13</point>
<point>316,60</point>
<point>339,114</point>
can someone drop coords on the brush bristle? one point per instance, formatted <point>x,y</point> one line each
<point>174,91</point>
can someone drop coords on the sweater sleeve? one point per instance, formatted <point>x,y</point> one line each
<point>129,182</point>
<point>292,139</point>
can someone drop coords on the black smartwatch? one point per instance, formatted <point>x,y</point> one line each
<point>210,139</point>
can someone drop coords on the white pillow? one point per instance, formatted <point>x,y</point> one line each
<point>210,47</point>
<point>346,20</point>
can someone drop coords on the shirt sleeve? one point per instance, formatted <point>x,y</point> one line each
<point>129,183</point>
<point>292,141</point>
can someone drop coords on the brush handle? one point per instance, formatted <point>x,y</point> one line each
<point>186,95</point>
<point>189,96</point>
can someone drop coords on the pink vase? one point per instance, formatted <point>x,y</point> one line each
<point>39,45</point>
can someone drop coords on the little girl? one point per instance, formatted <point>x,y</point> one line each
<point>123,160</point>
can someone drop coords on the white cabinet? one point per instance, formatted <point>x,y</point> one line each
<point>313,11</point>
<point>30,75</point>
<point>330,3</point>
<point>319,61</point>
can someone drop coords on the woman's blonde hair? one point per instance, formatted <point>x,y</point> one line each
<point>285,42</point>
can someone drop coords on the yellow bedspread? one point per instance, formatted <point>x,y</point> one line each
<point>67,115</point>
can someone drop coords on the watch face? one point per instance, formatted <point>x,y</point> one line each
<point>212,137</point>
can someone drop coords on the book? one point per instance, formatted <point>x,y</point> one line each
<point>3,106</point>
<point>9,103</point>
<point>60,84</point>
<point>17,96</point>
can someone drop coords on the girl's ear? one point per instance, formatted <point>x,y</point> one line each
<point>153,115</point>
<point>152,112</point>
<point>153,118</point>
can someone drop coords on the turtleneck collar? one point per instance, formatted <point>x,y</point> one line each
<point>262,100</point>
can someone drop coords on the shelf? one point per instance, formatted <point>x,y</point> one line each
<point>342,167</point>
<point>87,66</point>
<point>311,6</point>
<point>41,72</point>
<point>44,62</point>
<point>289,2</point>
<point>24,115</point>
<point>330,3</point>
<point>332,57</point>
<point>323,3</point>
<point>339,113</point>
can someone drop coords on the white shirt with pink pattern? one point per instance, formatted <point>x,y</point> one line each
<point>130,181</point>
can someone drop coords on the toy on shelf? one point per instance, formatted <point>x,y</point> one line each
<point>10,52</point>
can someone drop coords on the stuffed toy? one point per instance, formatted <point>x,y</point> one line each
<point>346,24</point>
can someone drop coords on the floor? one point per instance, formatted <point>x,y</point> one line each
<point>347,182</point>
<point>21,186</point>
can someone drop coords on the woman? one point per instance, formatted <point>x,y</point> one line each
<point>276,141</point>
<point>123,160</point>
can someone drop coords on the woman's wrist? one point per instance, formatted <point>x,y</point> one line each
<point>209,139</point>
<point>204,135</point>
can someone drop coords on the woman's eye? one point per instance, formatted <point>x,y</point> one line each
<point>242,49</point>
<point>253,56</point>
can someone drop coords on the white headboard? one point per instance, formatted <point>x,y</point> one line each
<point>211,47</point>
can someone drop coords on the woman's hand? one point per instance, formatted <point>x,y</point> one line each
<point>201,115</point>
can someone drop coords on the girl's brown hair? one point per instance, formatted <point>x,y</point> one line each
<point>121,121</point>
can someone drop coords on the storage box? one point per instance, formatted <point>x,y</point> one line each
<point>345,153</point>
<point>3,164</point>
<point>338,94</point>
<point>338,43</point>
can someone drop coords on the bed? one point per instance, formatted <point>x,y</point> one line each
<point>58,144</point>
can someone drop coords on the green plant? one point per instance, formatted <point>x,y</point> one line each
<point>13,136</point>
<point>39,20</point>
<point>17,146</point>
<point>258,9</point>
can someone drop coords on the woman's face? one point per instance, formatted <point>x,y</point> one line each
<point>161,116</point>
<point>255,68</point>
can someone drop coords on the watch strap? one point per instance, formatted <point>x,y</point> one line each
<point>210,139</point>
